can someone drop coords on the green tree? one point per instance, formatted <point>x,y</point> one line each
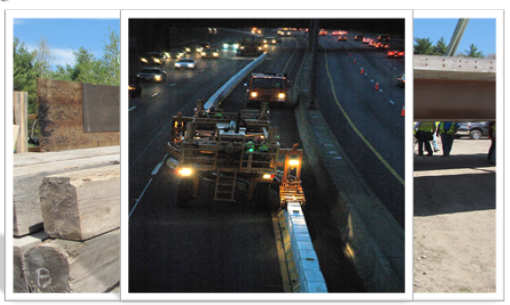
<point>43,58</point>
<point>440,47</point>
<point>422,46</point>
<point>473,52</point>
<point>110,66</point>
<point>25,75</point>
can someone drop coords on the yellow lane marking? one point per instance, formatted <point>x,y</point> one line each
<point>388,166</point>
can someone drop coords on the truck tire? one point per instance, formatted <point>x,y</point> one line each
<point>183,194</point>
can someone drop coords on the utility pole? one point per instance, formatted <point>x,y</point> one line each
<point>457,36</point>
<point>313,73</point>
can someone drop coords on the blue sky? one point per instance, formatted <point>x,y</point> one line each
<point>481,32</point>
<point>64,35</point>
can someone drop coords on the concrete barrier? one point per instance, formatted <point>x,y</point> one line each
<point>302,262</point>
<point>374,241</point>
<point>225,90</point>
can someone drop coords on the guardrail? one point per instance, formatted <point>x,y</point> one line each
<point>227,88</point>
<point>302,262</point>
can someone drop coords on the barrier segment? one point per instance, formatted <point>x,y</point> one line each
<point>302,262</point>
<point>225,90</point>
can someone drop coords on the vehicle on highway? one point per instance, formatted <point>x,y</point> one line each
<point>152,74</point>
<point>134,86</point>
<point>153,58</point>
<point>372,43</point>
<point>365,40</point>
<point>211,53</point>
<point>179,50</point>
<point>383,38</point>
<point>255,30</point>
<point>173,55</point>
<point>395,53</point>
<point>335,33</point>
<point>251,46</point>
<point>475,130</point>
<point>323,32</point>
<point>212,30</point>
<point>227,146</point>
<point>205,45</point>
<point>359,38</point>
<point>185,63</point>
<point>342,38</point>
<point>231,45</point>
<point>268,87</point>
<point>381,46</point>
<point>193,49</point>
<point>270,40</point>
<point>401,80</point>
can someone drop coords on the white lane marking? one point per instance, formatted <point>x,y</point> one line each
<point>155,94</point>
<point>172,85</point>
<point>131,108</point>
<point>380,90</point>
<point>371,80</point>
<point>392,102</point>
<point>140,198</point>
<point>157,168</point>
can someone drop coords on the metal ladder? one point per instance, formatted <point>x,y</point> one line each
<point>225,185</point>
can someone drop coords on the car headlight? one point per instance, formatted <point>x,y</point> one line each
<point>191,65</point>
<point>225,45</point>
<point>253,94</point>
<point>260,48</point>
<point>177,64</point>
<point>143,59</point>
<point>184,171</point>
<point>203,53</point>
<point>274,41</point>
<point>188,49</point>
<point>281,95</point>
<point>156,60</point>
<point>265,41</point>
<point>157,77</point>
<point>241,47</point>
<point>216,54</point>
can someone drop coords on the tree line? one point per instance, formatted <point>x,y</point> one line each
<point>424,46</point>
<point>31,65</point>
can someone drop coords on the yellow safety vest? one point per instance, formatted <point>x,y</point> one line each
<point>426,127</point>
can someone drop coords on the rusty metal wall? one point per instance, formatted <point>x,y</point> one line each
<point>454,100</point>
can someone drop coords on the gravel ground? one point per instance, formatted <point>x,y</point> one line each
<point>455,220</point>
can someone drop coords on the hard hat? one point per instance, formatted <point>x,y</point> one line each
<point>259,139</point>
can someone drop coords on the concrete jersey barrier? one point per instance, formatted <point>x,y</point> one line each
<point>225,90</point>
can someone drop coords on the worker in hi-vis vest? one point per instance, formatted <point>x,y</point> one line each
<point>425,132</point>
<point>447,130</point>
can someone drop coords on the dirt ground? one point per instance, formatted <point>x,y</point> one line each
<point>455,220</point>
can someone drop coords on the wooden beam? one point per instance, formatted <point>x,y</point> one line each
<point>70,266</point>
<point>79,205</point>
<point>61,118</point>
<point>31,168</point>
<point>21,246</point>
<point>20,104</point>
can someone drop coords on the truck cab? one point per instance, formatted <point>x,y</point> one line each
<point>268,87</point>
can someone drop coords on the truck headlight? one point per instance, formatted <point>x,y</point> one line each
<point>157,77</point>
<point>156,60</point>
<point>178,65</point>
<point>143,59</point>
<point>184,171</point>
<point>203,53</point>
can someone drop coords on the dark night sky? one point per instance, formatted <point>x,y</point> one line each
<point>389,26</point>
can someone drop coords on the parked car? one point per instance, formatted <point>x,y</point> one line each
<point>152,74</point>
<point>475,130</point>
<point>185,63</point>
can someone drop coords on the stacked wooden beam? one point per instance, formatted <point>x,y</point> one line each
<point>75,197</point>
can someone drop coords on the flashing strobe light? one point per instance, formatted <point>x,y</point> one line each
<point>184,171</point>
